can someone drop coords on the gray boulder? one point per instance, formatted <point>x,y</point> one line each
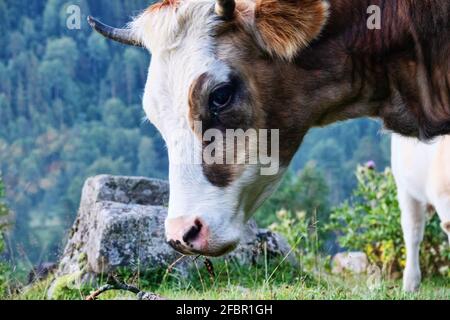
<point>256,242</point>
<point>120,223</point>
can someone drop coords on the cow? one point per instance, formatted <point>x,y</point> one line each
<point>422,174</point>
<point>287,65</point>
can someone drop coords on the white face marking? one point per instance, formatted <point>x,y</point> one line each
<point>178,59</point>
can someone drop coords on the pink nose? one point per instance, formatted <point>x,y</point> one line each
<point>187,234</point>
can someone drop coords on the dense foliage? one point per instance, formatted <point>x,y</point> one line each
<point>304,235</point>
<point>339,148</point>
<point>70,107</point>
<point>305,191</point>
<point>371,223</point>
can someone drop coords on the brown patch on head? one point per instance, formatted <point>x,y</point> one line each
<point>220,175</point>
<point>237,116</point>
<point>286,26</point>
<point>196,100</point>
<point>164,4</point>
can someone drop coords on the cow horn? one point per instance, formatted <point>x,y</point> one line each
<point>225,8</point>
<point>124,36</point>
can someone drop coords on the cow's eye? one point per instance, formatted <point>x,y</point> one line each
<point>221,97</point>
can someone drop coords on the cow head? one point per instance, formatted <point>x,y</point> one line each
<point>217,67</point>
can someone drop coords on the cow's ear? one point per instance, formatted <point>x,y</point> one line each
<point>284,27</point>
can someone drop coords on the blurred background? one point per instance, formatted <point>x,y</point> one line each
<point>70,108</point>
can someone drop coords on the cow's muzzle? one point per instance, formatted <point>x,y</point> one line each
<point>191,236</point>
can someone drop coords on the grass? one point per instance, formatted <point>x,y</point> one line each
<point>332,289</point>
<point>258,282</point>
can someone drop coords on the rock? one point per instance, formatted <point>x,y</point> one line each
<point>352,262</point>
<point>127,190</point>
<point>255,241</point>
<point>120,223</point>
<point>149,296</point>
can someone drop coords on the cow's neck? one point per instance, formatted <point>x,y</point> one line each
<point>399,73</point>
<point>355,72</point>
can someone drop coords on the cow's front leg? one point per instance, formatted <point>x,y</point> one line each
<point>413,225</point>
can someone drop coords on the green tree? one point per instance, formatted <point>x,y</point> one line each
<point>98,52</point>
<point>147,158</point>
<point>51,17</point>
<point>305,191</point>
<point>4,26</point>
<point>65,50</point>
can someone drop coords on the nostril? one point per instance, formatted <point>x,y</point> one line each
<point>193,232</point>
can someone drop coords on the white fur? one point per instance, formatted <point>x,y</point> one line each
<point>422,173</point>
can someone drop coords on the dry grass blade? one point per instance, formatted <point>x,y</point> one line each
<point>173,264</point>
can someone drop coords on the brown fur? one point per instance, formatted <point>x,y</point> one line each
<point>412,48</point>
<point>287,26</point>
<point>164,4</point>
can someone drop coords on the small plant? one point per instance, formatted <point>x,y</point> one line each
<point>371,223</point>
<point>3,214</point>
<point>302,234</point>
<point>4,269</point>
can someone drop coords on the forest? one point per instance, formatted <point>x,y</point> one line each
<point>70,108</point>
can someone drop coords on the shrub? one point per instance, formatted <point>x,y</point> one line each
<point>370,222</point>
<point>302,234</point>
